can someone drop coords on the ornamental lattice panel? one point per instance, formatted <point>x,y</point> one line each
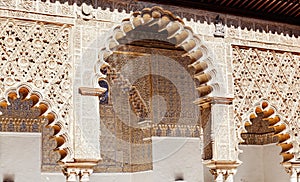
<point>266,74</point>
<point>38,55</point>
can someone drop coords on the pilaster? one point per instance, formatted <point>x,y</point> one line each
<point>220,152</point>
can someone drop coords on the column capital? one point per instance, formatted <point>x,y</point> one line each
<point>79,168</point>
<point>222,170</point>
<point>292,168</point>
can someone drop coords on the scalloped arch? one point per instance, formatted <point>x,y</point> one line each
<point>201,61</point>
<point>286,138</point>
<point>60,135</point>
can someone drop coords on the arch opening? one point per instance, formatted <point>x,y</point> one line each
<point>160,25</point>
<point>132,60</point>
<point>265,126</point>
<point>24,110</point>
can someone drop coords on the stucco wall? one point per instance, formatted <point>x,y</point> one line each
<point>175,158</point>
<point>20,157</point>
<point>261,163</point>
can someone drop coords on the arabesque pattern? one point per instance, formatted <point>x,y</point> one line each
<point>37,55</point>
<point>267,74</point>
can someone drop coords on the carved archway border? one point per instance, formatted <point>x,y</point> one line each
<point>60,133</point>
<point>284,131</point>
<point>185,38</point>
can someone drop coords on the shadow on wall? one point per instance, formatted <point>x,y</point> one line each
<point>196,16</point>
<point>8,178</point>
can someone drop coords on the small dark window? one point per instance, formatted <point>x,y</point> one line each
<point>104,98</point>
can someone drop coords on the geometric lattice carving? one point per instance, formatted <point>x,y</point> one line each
<point>264,126</point>
<point>37,55</point>
<point>267,74</point>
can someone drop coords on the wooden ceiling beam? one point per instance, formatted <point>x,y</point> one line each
<point>280,7</point>
<point>249,4</point>
<point>296,11</point>
<point>290,10</point>
<point>262,5</point>
<point>229,2</point>
<point>275,6</point>
<point>242,3</point>
<point>283,10</point>
<point>236,2</point>
<point>266,8</point>
<point>256,4</point>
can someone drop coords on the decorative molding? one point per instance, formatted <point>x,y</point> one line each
<point>173,130</point>
<point>92,91</point>
<point>207,101</point>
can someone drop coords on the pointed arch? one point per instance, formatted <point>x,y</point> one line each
<point>34,106</point>
<point>273,124</point>
<point>177,34</point>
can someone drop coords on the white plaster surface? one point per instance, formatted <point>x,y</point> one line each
<point>261,164</point>
<point>273,170</point>
<point>53,177</point>
<point>20,156</point>
<point>175,157</point>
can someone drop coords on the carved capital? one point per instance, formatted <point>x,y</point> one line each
<point>222,170</point>
<point>81,169</point>
<point>293,169</point>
